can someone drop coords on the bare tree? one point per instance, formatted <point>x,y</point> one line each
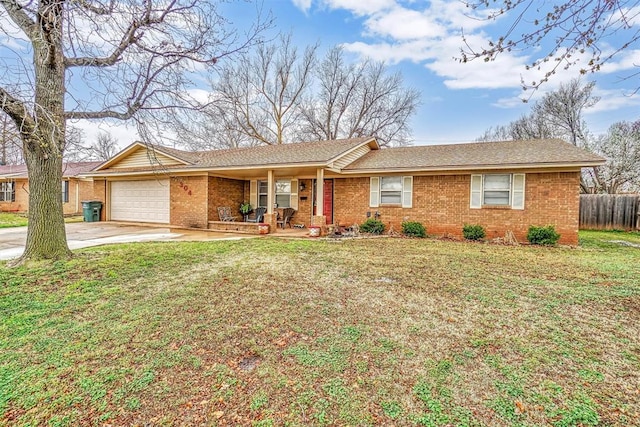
<point>621,147</point>
<point>258,97</point>
<point>559,114</point>
<point>563,110</point>
<point>10,143</point>
<point>275,96</point>
<point>359,100</point>
<point>103,148</point>
<point>133,56</point>
<point>574,29</point>
<point>74,148</point>
<point>212,127</point>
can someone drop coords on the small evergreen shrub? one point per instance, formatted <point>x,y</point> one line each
<point>543,235</point>
<point>413,229</point>
<point>372,226</point>
<point>473,232</point>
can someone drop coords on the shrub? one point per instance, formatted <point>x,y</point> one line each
<point>473,232</point>
<point>543,235</point>
<point>372,226</point>
<point>413,229</point>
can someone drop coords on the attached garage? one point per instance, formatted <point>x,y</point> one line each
<point>140,201</point>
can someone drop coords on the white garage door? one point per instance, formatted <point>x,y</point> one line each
<point>143,201</point>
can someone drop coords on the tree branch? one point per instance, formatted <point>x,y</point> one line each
<point>16,109</point>
<point>19,16</point>
<point>128,39</point>
<point>96,9</point>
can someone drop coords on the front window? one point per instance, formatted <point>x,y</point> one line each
<point>497,190</point>
<point>283,193</point>
<point>263,188</point>
<point>65,191</point>
<point>7,191</point>
<point>391,190</point>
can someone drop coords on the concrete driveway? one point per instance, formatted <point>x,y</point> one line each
<point>85,234</point>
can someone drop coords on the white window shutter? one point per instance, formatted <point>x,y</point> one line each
<point>253,193</point>
<point>517,199</point>
<point>293,202</point>
<point>374,192</point>
<point>476,191</point>
<point>407,191</point>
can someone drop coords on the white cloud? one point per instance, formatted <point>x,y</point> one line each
<point>625,60</point>
<point>123,133</point>
<point>303,5</point>
<point>611,100</point>
<point>405,24</point>
<point>431,33</point>
<point>361,7</point>
<point>200,95</point>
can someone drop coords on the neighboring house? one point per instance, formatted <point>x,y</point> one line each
<point>14,187</point>
<point>504,186</point>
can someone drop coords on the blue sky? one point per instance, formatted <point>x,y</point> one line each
<point>421,39</point>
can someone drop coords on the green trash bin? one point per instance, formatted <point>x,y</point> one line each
<point>91,210</point>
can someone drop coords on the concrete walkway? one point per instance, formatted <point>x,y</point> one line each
<point>85,234</point>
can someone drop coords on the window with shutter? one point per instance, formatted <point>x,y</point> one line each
<point>498,190</point>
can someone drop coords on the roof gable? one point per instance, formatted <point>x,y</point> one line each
<point>492,155</point>
<point>301,153</point>
<point>139,155</point>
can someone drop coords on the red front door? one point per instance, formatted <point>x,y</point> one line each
<point>327,202</point>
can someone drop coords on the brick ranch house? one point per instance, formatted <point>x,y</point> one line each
<point>14,187</point>
<point>504,186</point>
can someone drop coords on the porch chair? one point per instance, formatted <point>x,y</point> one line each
<point>258,215</point>
<point>224,213</point>
<point>287,214</point>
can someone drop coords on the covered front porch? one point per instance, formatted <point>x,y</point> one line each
<point>306,192</point>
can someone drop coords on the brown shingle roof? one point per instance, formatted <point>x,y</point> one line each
<point>70,169</point>
<point>298,153</point>
<point>476,155</point>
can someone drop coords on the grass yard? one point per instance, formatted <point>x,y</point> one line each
<point>8,219</point>
<point>270,332</point>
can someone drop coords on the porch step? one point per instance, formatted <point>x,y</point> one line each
<point>235,226</point>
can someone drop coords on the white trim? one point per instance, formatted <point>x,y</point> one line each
<point>407,191</point>
<point>253,193</point>
<point>477,184</point>
<point>517,191</point>
<point>374,192</point>
<point>293,196</point>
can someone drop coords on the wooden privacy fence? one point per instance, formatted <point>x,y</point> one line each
<point>609,211</point>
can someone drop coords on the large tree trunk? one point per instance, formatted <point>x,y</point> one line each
<point>43,149</point>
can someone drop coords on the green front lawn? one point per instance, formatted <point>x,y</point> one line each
<point>303,332</point>
<point>8,219</point>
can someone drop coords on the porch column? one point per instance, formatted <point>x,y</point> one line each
<point>270,217</point>
<point>319,219</point>
<point>271,197</point>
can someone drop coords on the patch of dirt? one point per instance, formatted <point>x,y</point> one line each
<point>248,363</point>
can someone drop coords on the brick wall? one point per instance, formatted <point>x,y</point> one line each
<point>97,192</point>
<point>189,198</point>
<point>79,191</point>
<point>441,203</point>
<point>303,214</point>
<point>21,203</point>
<point>226,192</point>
